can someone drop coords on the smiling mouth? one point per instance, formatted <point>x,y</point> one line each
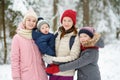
<point>30,26</point>
<point>46,31</point>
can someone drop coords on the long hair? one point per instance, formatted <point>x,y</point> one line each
<point>72,29</point>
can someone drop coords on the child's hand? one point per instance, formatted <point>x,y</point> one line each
<point>52,69</point>
<point>48,59</point>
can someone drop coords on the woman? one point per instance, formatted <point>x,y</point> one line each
<point>26,59</point>
<point>63,51</point>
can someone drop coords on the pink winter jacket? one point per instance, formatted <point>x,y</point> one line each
<point>26,60</point>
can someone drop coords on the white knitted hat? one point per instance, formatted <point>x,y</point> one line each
<point>30,12</point>
<point>41,22</point>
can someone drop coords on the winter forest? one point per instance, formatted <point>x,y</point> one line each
<point>103,15</point>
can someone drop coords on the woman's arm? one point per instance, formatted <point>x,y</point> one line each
<point>15,58</point>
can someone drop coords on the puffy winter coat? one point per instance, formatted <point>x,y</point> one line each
<point>45,42</point>
<point>26,61</point>
<point>64,53</point>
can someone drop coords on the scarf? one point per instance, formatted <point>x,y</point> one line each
<point>25,33</point>
<point>84,48</point>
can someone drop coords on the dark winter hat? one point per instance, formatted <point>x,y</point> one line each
<point>69,13</point>
<point>41,22</point>
<point>87,30</point>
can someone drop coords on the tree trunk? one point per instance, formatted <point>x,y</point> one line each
<point>4,32</point>
<point>54,14</point>
<point>85,12</point>
<point>117,33</point>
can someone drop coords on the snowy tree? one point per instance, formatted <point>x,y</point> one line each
<point>7,30</point>
<point>103,15</point>
<point>105,18</point>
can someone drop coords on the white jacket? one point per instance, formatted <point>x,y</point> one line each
<point>63,52</point>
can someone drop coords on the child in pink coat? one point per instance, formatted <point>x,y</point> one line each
<point>26,59</point>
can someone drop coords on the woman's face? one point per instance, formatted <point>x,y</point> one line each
<point>67,23</point>
<point>84,37</point>
<point>30,23</point>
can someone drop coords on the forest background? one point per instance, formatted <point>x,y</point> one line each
<point>103,15</point>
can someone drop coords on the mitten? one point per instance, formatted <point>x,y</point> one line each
<point>48,59</point>
<point>49,65</point>
<point>52,69</point>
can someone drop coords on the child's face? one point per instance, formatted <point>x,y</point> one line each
<point>67,23</point>
<point>84,37</point>
<point>44,29</point>
<point>30,23</point>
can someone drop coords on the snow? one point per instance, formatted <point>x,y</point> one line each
<point>108,63</point>
<point>19,7</point>
<point>5,72</point>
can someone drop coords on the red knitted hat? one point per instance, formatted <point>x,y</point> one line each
<point>69,13</point>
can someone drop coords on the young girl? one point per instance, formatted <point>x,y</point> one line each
<point>63,51</point>
<point>87,63</point>
<point>26,59</point>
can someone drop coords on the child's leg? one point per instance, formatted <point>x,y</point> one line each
<point>55,77</point>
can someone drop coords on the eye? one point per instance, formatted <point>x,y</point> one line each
<point>33,21</point>
<point>64,20</point>
<point>42,28</point>
<point>27,19</point>
<point>69,21</point>
<point>47,27</point>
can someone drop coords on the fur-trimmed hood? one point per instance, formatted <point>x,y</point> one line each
<point>95,41</point>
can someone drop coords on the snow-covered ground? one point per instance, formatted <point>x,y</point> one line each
<point>108,62</point>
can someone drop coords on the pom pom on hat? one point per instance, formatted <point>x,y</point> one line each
<point>29,13</point>
<point>40,18</point>
<point>40,23</point>
<point>87,30</point>
<point>69,13</point>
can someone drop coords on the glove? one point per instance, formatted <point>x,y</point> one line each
<point>52,69</point>
<point>48,59</point>
<point>49,65</point>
